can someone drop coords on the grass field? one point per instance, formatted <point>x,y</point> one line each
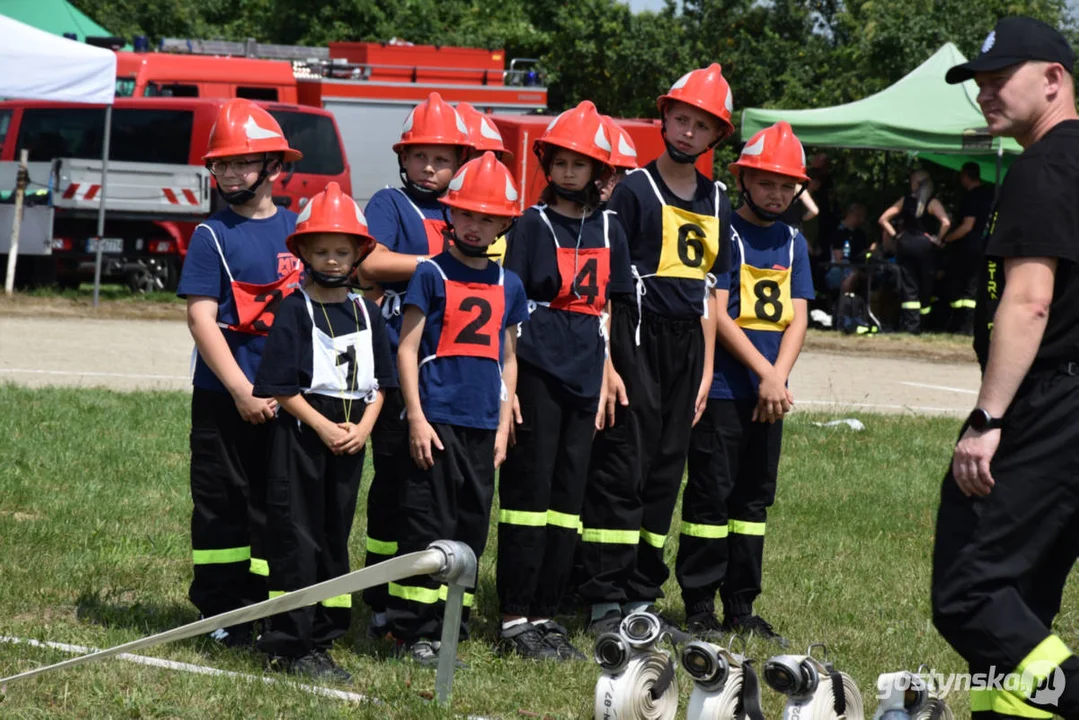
<point>94,512</point>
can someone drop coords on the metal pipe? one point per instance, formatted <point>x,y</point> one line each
<point>101,200</point>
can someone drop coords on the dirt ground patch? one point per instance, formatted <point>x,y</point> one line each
<point>20,305</point>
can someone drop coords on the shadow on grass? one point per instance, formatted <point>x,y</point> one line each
<point>107,610</point>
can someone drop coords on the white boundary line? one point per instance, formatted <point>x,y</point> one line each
<point>204,670</point>
<point>839,404</point>
<point>72,373</point>
<point>940,387</point>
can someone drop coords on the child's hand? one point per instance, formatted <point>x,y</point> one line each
<point>616,395</point>
<point>354,439</point>
<point>331,435</point>
<point>773,402</point>
<point>517,420</point>
<point>255,410</point>
<point>501,441</point>
<point>421,437</point>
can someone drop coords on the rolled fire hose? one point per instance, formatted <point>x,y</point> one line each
<point>814,689</point>
<point>638,680</point>
<point>725,685</point>
<point>629,694</point>
<point>904,694</point>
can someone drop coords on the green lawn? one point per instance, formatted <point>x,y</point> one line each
<point>94,515</point>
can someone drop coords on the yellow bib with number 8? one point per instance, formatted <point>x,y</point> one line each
<point>764,293</point>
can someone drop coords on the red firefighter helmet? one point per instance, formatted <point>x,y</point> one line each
<point>483,185</point>
<point>623,152</point>
<point>331,211</point>
<point>774,149</point>
<point>483,135</point>
<point>580,130</point>
<point>704,88</point>
<point>243,127</point>
<point>433,122</point>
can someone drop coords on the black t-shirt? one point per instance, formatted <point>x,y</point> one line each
<point>977,203</point>
<point>1037,215</point>
<point>566,345</point>
<point>641,215</point>
<point>287,360</point>
<point>858,243</point>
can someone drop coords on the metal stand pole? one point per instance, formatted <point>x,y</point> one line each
<point>16,222</point>
<point>458,573</point>
<point>101,199</point>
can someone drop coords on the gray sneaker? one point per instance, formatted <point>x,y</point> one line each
<point>424,653</point>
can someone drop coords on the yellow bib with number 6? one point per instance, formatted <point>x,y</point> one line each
<point>764,294</point>
<point>690,244</point>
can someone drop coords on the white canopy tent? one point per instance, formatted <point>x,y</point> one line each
<point>37,65</point>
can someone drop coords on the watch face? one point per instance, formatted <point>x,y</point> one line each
<point>979,419</point>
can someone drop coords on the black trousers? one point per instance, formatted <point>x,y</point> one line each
<point>636,466</point>
<point>310,503</point>
<point>732,470</point>
<point>391,461</point>
<point>228,484</point>
<point>961,277</point>
<point>917,266</point>
<point>540,491</point>
<point>451,501</point>
<point>1000,562</point>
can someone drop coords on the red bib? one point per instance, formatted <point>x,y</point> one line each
<point>256,305</point>
<point>584,280</point>
<point>436,237</point>
<point>472,321</point>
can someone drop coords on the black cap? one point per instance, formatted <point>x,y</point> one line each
<point>1016,40</point>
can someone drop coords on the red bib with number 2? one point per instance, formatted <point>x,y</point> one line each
<point>472,322</point>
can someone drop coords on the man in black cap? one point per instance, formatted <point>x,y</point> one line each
<point>1008,525</point>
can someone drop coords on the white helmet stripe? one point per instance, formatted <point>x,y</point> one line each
<point>601,139</point>
<point>458,181</point>
<point>755,149</point>
<point>489,131</point>
<point>256,132</point>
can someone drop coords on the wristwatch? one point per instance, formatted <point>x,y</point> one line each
<point>981,420</point>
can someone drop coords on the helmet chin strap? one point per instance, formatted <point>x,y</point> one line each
<point>761,213</point>
<point>574,196</point>
<point>418,192</point>
<point>242,197</point>
<point>466,249</point>
<point>329,281</point>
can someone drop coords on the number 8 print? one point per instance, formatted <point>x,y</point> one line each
<point>768,306</point>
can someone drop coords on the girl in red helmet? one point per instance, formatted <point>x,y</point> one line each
<point>408,224</point>
<point>235,274</point>
<point>328,365</point>
<point>571,257</point>
<point>458,369</point>
<point>734,452</point>
<point>678,225</point>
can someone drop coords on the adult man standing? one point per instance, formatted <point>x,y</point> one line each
<point>965,249</point>
<point>1006,530</point>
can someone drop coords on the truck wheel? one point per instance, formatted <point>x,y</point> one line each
<point>154,275</point>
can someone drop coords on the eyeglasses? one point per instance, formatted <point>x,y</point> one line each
<point>239,167</point>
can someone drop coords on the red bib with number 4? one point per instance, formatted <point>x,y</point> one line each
<point>585,276</point>
<point>472,322</point>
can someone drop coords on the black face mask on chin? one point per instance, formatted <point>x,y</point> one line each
<point>329,281</point>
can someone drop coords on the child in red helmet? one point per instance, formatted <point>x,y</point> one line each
<point>458,369</point>
<point>623,157</point>
<point>409,224</point>
<point>678,225</point>
<point>734,452</point>
<point>571,257</point>
<point>327,364</point>
<point>236,273</point>
<point>483,136</point>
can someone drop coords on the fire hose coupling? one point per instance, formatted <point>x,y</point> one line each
<point>815,690</point>
<point>725,683</point>
<point>905,694</point>
<point>459,565</point>
<point>638,680</point>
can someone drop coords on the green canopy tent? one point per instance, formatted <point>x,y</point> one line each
<point>919,114</point>
<point>53,16</point>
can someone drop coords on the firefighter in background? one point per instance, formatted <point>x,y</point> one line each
<point>623,158</point>
<point>677,223</point>
<point>408,224</point>
<point>483,136</point>
<point>327,363</point>
<point>734,452</point>
<point>458,369</point>
<point>236,273</point>
<point>570,257</point>
<point>965,248</point>
<point>915,248</point>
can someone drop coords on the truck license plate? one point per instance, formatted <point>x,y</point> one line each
<point>108,245</point>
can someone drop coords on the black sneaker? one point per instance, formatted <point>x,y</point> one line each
<point>525,640</point>
<point>424,652</point>
<point>677,634</point>
<point>609,623</point>
<point>331,670</point>
<point>748,625</point>
<point>557,637</point>
<point>705,626</point>
<point>376,630</point>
